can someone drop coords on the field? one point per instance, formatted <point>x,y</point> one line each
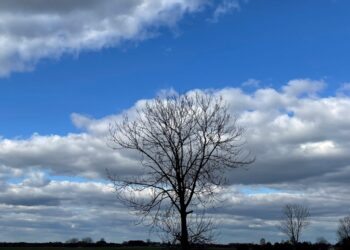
<point>276,246</point>
<point>95,248</point>
<point>77,248</point>
<point>103,248</point>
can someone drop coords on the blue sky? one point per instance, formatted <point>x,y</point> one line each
<point>70,68</point>
<point>271,41</point>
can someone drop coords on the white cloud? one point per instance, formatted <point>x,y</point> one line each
<point>303,86</point>
<point>75,154</point>
<point>344,89</point>
<point>35,29</point>
<point>320,148</point>
<point>254,83</point>
<point>62,209</point>
<point>36,179</point>
<point>301,142</point>
<point>285,129</point>
<point>227,6</point>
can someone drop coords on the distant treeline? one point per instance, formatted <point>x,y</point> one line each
<point>153,245</point>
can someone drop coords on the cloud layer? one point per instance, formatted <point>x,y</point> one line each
<point>35,29</point>
<point>300,138</point>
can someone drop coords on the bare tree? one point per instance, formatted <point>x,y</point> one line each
<point>295,219</point>
<point>343,231</point>
<point>200,228</point>
<point>186,142</point>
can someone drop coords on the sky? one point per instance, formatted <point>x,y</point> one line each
<point>70,68</point>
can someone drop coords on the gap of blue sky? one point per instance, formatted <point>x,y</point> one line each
<point>272,42</point>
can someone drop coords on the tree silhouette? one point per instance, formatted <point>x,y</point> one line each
<point>295,219</point>
<point>343,231</point>
<point>186,142</point>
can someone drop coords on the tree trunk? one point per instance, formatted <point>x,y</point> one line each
<point>184,232</point>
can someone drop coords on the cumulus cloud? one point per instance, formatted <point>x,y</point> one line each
<point>75,154</point>
<point>35,29</point>
<point>303,86</point>
<point>294,134</point>
<point>300,140</point>
<point>62,209</point>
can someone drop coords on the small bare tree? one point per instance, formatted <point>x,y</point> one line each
<point>343,231</point>
<point>295,219</point>
<point>186,143</point>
